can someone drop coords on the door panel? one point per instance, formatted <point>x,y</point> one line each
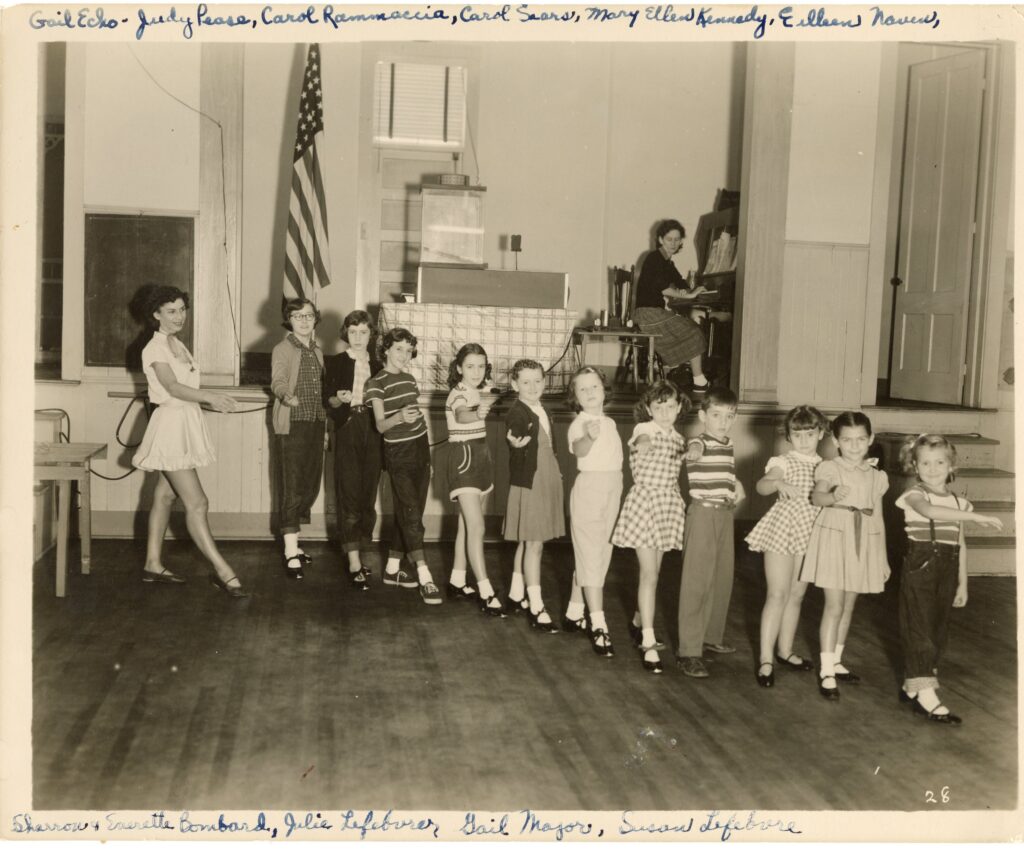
<point>940,172</point>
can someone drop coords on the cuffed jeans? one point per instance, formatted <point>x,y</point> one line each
<point>302,463</point>
<point>408,465</point>
<point>357,465</point>
<point>931,572</point>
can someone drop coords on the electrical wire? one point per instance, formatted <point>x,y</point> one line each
<point>223,192</point>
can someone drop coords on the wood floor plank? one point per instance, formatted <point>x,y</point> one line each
<point>309,695</point>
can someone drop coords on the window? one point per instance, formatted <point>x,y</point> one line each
<point>419,105</point>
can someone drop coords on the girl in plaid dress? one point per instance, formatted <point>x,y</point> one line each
<point>782,535</point>
<point>653,513</point>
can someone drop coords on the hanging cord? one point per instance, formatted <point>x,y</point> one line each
<point>223,193</point>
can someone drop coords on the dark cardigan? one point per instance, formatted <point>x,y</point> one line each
<point>339,372</point>
<point>522,462</point>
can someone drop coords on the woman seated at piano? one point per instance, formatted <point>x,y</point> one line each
<point>678,339</point>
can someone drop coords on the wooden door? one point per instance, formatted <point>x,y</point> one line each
<point>395,226</point>
<point>937,215</point>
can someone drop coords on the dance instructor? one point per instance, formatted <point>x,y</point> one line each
<point>177,440</point>
<point>679,340</point>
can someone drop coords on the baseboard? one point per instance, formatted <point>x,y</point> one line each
<point>123,524</point>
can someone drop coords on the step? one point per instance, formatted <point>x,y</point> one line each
<point>991,555</point>
<point>903,420</point>
<point>1004,510</point>
<point>973,484</point>
<point>972,450</point>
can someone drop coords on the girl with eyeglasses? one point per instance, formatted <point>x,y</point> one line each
<point>297,366</point>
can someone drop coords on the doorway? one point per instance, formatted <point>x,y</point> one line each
<point>935,273</point>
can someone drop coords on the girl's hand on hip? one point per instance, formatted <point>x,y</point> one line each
<point>517,441</point>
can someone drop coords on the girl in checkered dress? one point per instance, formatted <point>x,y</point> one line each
<point>653,514</point>
<point>782,535</point>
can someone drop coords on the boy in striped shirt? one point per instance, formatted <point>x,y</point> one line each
<point>706,584</point>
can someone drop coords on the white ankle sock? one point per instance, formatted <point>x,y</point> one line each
<point>536,602</point>
<point>458,578</point>
<point>597,620</point>
<point>392,565</point>
<point>839,652</point>
<point>291,545</point>
<point>574,610</point>
<point>484,588</point>
<point>423,573</point>
<point>828,663</point>
<point>700,380</point>
<point>515,592</point>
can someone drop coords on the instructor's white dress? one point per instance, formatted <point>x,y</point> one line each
<point>177,437</point>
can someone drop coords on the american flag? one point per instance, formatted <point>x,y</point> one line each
<point>307,264</point>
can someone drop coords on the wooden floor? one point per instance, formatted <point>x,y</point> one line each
<point>312,696</point>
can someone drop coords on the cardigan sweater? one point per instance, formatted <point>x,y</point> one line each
<point>284,374</point>
<point>339,373</point>
<point>522,462</point>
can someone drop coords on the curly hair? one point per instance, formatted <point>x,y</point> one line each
<point>570,392</point>
<point>520,366</point>
<point>805,417</point>
<point>913,445</point>
<point>294,305</point>
<point>663,390</point>
<point>454,375</point>
<point>398,334</point>
<point>160,295</point>
<point>667,226</point>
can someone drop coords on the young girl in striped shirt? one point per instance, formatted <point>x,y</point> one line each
<point>470,471</point>
<point>934,576</point>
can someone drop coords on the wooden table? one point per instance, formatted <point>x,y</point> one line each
<point>65,463</point>
<point>628,335</point>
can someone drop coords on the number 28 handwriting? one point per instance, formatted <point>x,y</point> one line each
<point>929,796</point>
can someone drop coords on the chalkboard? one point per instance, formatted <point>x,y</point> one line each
<point>124,254</point>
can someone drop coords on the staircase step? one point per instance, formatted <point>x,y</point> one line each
<point>908,420</point>
<point>972,450</point>
<point>973,484</point>
<point>991,555</point>
<point>1004,510</point>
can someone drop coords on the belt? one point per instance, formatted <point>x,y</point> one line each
<point>714,505</point>
<point>360,408</point>
<point>858,520</point>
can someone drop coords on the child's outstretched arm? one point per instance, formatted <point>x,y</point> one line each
<point>960,599</point>
<point>925,508</point>
<point>773,482</point>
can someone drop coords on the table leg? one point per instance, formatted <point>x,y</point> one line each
<point>634,357</point>
<point>63,509</point>
<point>85,519</point>
<point>650,361</point>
